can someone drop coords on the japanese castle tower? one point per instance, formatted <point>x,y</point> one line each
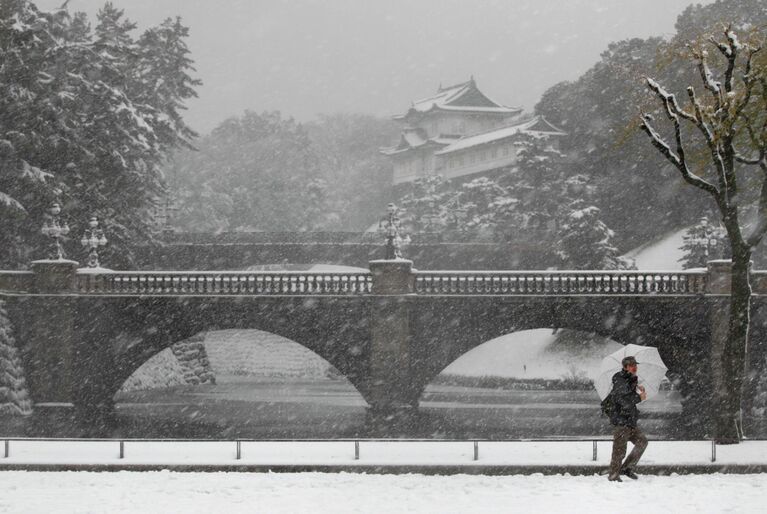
<point>460,132</point>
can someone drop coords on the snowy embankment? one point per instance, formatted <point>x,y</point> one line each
<point>352,493</point>
<point>663,254</point>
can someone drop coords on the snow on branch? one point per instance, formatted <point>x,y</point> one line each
<point>10,203</point>
<point>673,111</point>
<point>707,77</point>
<point>676,160</point>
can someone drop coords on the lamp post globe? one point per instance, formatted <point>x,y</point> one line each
<point>92,238</point>
<point>54,228</point>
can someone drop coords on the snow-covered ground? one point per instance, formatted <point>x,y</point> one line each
<point>164,492</point>
<point>663,254</point>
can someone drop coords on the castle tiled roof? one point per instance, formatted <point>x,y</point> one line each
<point>412,138</point>
<point>463,97</point>
<point>537,126</point>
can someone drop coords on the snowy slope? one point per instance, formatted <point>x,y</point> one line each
<point>663,254</point>
<point>507,356</point>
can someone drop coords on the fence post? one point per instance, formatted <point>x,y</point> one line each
<point>476,450</point>
<point>356,450</point>
<point>713,450</point>
<point>594,451</point>
<point>239,449</point>
<point>122,449</point>
<point>7,448</point>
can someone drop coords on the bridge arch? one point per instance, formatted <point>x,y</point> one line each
<point>265,386</point>
<point>532,383</point>
<point>445,329</point>
<point>243,361</point>
<point>142,328</point>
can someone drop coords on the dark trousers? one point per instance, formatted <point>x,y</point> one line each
<point>621,436</point>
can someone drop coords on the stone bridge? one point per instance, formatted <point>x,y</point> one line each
<point>389,330</point>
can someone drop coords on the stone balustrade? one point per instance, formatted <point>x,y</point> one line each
<point>223,283</point>
<point>17,281</point>
<point>598,282</point>
<point>560,282</point>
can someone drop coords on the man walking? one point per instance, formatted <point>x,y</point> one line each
<point>624,416</point>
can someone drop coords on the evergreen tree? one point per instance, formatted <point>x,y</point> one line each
<point>77,125</point>
<point>253,172</point>
<point>164,80</point>
<point>423,207</point>
<point>357,176</point>
<point>703,242</point>
<point>538,182</point>
<point>14,398</point>
<point>586,242</point>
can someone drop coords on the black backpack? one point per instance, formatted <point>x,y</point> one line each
<point>608,405</point>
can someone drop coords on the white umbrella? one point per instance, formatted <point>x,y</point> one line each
<point>650,369</point>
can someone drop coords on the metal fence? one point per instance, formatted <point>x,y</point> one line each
<point>358,442</point>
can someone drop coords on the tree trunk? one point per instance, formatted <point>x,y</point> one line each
<point>734,358</point>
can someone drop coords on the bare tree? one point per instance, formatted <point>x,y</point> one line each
<point>730,120</point>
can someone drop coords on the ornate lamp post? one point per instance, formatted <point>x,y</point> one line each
<point>708,237</point>
<point>93,237</point>
<point>55,229</point>
<point>389,225</point>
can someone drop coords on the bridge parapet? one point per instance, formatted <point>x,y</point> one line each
<point>711,281</point>
<point>561,282</point>
<point>179,283</point>
<point>17,281</point>
<point>223,283</point>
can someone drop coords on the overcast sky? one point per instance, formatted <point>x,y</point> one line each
<point>305,57</point>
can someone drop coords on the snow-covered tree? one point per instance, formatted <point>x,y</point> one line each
<point>253,172</point>
<point>538,183</point>
<point>423,207</point>
<point>14,398</point>
<point>729,120</point>
<point>586,242</point>
<point>75,126</point>
<point>703,242</point>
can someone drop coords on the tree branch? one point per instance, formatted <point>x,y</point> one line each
<point>708,79</point>
<point>708,135</point>
<point>677,160</point>
<point>730,51</point>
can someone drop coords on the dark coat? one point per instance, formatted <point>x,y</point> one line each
<point>625,399</point>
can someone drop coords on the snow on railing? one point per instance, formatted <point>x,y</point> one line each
<point>625,282</point>
<point>559,282</point>
<point>17,281</point>
<point>224,283</point>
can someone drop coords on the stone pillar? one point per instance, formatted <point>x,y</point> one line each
<point>391,411</point>
<point>55,276</point>
<point>718,291</point>
<point>49,337</point>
